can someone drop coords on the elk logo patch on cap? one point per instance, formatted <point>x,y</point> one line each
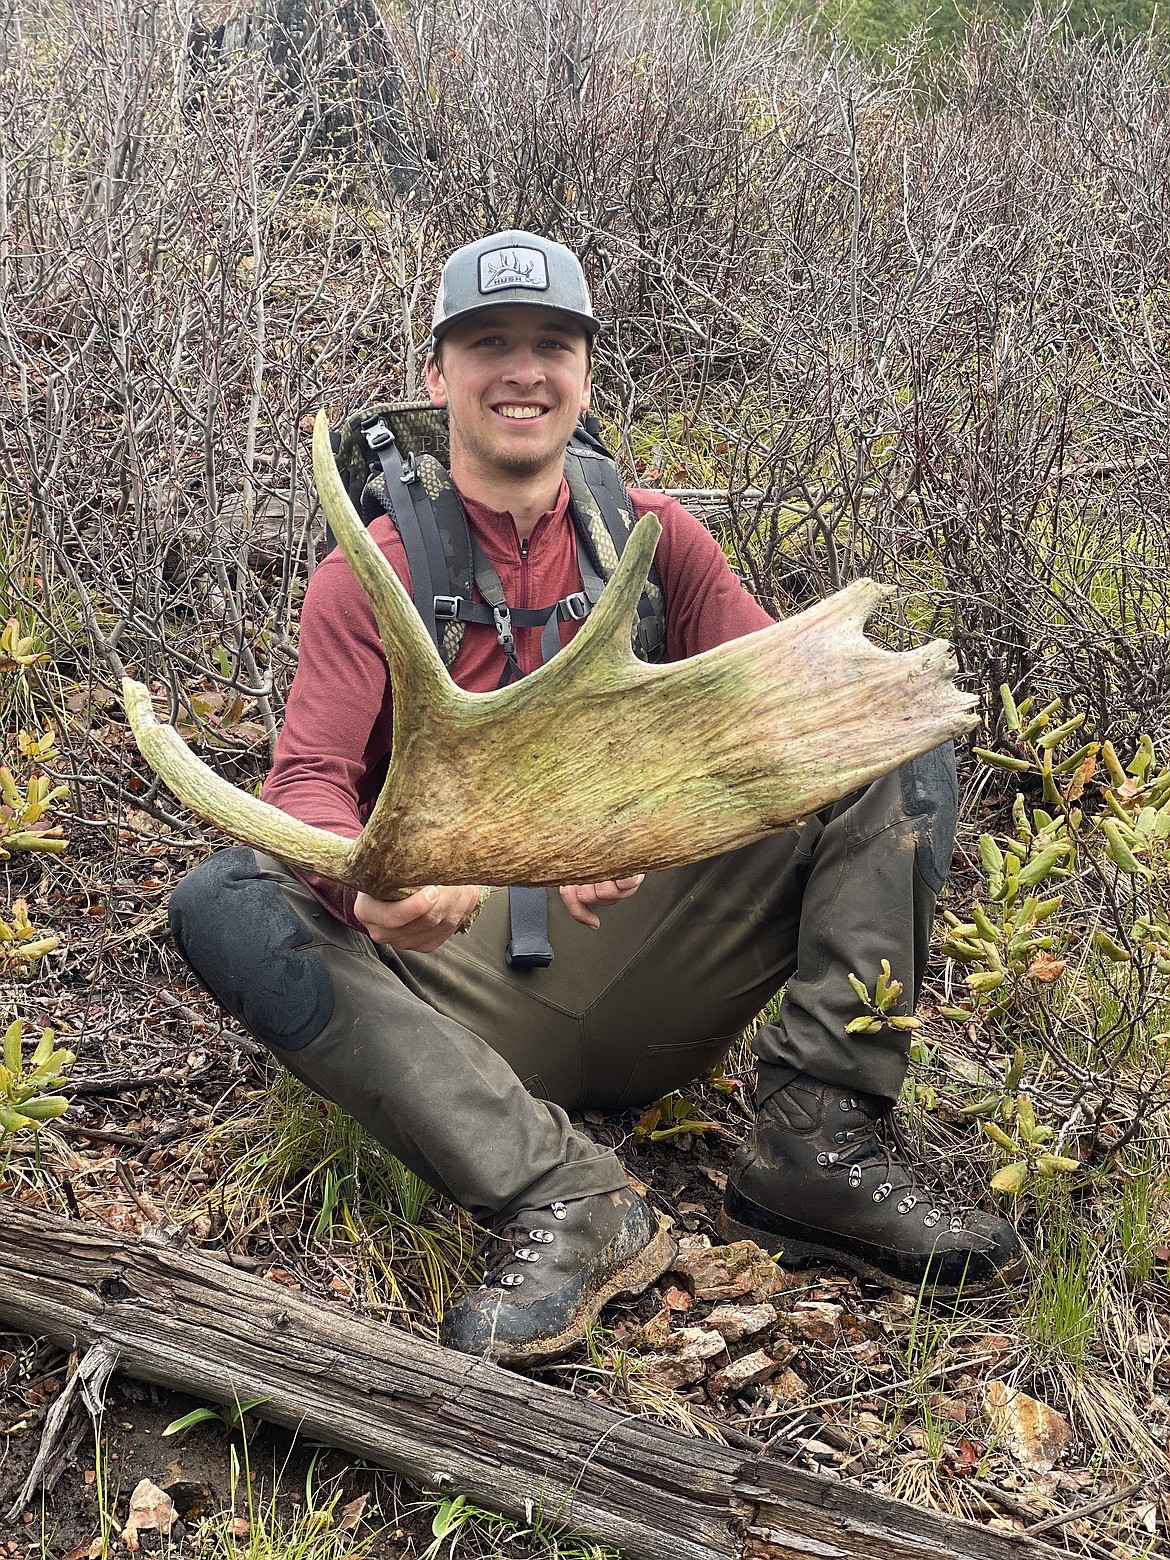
<point>515,266</point>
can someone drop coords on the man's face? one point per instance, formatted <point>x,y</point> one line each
<point>514,379</point>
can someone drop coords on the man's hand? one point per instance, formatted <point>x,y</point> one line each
<point>580,898</point>
<point>419,924</point>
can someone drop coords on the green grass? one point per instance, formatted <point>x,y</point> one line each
<point>300,1165</point>
<point>317,1527</point>
<point>1063,1293</point>
<point>460,1526</point>
<point>1140,1206</point>
<point>935,1330</point>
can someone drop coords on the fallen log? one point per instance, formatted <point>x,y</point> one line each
<point>448,1422</point>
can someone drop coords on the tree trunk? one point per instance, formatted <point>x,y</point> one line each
<point>446,1421</point>
<point>333,67</point>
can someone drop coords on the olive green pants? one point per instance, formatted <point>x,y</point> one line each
<point>466,1069</point>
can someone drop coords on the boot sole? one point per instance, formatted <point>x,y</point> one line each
<point>797,1253</point>
<point>631,1279</point>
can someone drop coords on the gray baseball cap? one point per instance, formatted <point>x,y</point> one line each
<point>512,267</point>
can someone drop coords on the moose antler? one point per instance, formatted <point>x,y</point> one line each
<point>597,765</point>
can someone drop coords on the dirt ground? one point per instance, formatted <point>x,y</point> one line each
<point>858,1383</point>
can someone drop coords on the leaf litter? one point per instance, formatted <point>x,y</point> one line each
<point>934,1403</point>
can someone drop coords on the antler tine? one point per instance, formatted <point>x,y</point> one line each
<point>420,683</point>
<point>239,814</point>
<point>418,677</point>
<point>606,633</point>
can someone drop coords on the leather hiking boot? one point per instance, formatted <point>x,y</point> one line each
<point>552,1271</point>
<point>818,1180</point>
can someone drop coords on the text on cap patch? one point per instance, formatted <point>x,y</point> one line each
<point>512,267</point>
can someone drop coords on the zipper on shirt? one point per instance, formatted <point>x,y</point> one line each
<point>523,601</point>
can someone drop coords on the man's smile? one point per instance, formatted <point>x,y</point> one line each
<point>514,381</point>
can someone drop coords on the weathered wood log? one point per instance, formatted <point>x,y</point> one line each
<point>446,1421</point>
<point>597,765</point>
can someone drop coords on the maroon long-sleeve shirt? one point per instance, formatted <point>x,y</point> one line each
<point>333,750</point>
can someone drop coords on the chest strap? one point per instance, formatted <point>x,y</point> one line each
<point>495,611</point>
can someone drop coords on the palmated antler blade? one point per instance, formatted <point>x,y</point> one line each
<point>599,765</point>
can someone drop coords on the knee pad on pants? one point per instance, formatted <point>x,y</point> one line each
<point>252,950</point>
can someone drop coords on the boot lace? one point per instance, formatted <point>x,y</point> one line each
<point>522,1241</point>
<point>876,1141</point>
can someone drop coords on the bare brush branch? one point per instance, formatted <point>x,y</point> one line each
<point>597,765</point>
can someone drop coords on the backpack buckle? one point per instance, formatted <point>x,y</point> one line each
<point>650,637</point>
<point>378,435</point>
<point>503,621</point>
<point>409,470</point>
<point>447,607</point>
<point>576,606</point>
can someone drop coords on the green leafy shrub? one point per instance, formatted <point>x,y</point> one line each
<point>1099,847</point>
<point>1067,942</point>
<point>26,800</point>
<point>21,943</point>
<point>29,1092</point>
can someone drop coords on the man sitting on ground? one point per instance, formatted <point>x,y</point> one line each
<point>466,1064</point>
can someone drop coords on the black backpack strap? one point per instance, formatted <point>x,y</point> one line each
<point>592,580</point>
<point>529,948</point>
<point>571,609</point>
<point>495,610</point>
<point>411,512</point>
<point>454,541</point>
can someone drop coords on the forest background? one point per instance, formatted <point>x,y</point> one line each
<point>888,293</point>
